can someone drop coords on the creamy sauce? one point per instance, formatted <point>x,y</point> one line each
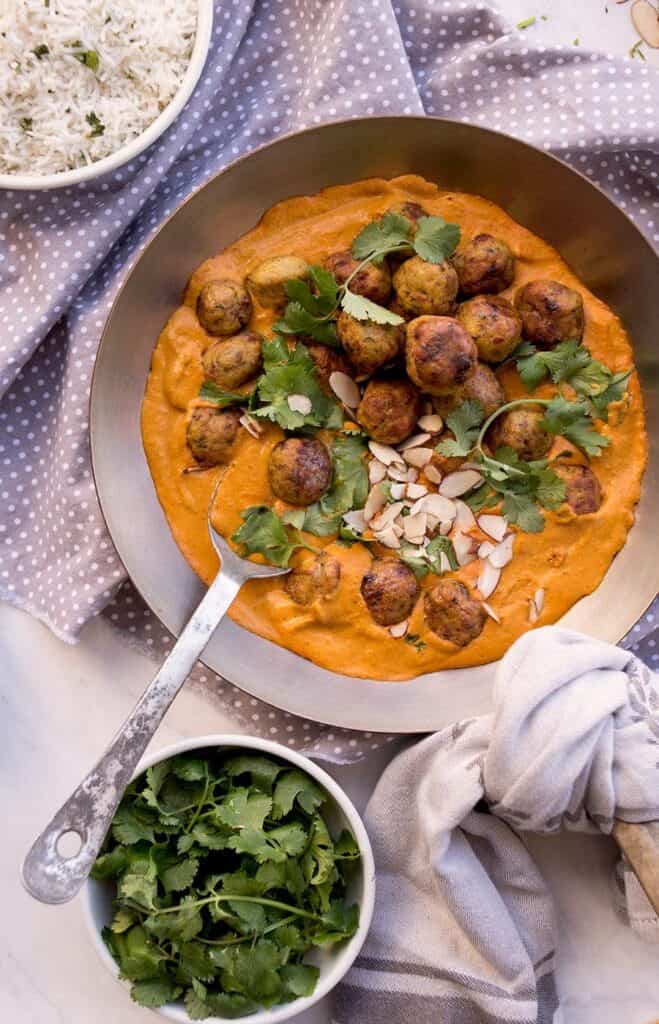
<point>568,559</point>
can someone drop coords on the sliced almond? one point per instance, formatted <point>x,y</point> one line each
<point>436,505</point>
<point>412,475</point>
<point>377,471</point>
<point>299,403</point>
<point>486,549</point>
<point>345,389</point>
<point>432,473</point>
<point>539,600</point>
<point>444,564</point>
<point>418,457</point>
<point>388,538</point>
<point>463,480</point>
<point>503,552</point>
<point>432,423</point>
<point>398,530</point>
<point>386,517</point>
<point>464,517</point>
<point>399,630</point>
<point>432,522</point>
<point>376,500</point>
<point>397,473</point>
<point>415,491</point>
<point>355,520</point>
<point>384,452</point>
<point>646,22</point>
<point>494,526</point>
<point>414,527</point>
<point>488,579</point>
<point>464,548</point>
<point>490,611</point>
<point>533,611</point>
<point>250,425</point>
<point>397,491</point>
<point>413,442</point>
<point>445,529</point>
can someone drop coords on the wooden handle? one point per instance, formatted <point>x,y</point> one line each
<point>640,845</point>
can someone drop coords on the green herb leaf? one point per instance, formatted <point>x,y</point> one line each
<point>389,231</point>
<point>26,124</point>
<point>308,311</point>
<point>435,239</point>
<point>97,126</point>
<point>300,979</point>
<point>465,422</point>
<point>295,786</point>
<point>348,490</point>
<point>264,533</point>
<point>362,308</point>
<point>571,420</point>
<point>414,640</point>
<point>41,51</point>
<point>91,60</point>
<point>293,373</point>
<point>211,393</point>
<point>155,992</point>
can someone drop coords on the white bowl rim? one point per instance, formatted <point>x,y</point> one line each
<point>345,956</point>
<point>132,149</point>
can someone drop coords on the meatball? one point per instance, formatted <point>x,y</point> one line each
<point>583,492</point>
<point>267,282</point>
<point>390,590</point>
<point>483,386</point>
<point>521,429</point>
<point>232,362</point>
<point>211,434</point>
<point>453,614</point>
<point>368,345</point>
<point>389,410</point>
<point>300,470</point>
<point>485,264</point>
<point>317,577</point>
<point>550,312</point>
<point>412,212</point>
<point>223,307</point>
<point>440,355</point>
<point>426,288</point>
<point>373,281</point>
<point>327,361</point>
<point>494,324</point>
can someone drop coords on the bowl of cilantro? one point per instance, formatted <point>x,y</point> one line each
<point>237,880</point>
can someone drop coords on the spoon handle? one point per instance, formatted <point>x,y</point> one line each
<point>640,844</point>
<point>48,874</point>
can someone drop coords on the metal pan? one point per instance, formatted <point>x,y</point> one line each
<point>600,243</point>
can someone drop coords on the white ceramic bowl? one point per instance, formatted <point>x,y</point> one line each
<point>339,813</point>
<point>148,136</point>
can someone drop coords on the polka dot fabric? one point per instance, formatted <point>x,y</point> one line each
<point>275,66</point>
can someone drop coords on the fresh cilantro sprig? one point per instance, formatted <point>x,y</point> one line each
<point>429,559</point>
<point>226,875</point>
<point>348,490</point>
<point>465,422</point>
<point>292,372</point>
<point>310,312</point>
<point>571,363</point>
<point>212,393</point>
<point>264,533</point>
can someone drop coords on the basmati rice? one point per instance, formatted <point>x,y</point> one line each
<point>81,78</point>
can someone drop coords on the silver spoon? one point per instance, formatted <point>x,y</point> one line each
<point>63,855</point>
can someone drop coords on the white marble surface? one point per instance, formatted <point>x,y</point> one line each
<point>60,705</point>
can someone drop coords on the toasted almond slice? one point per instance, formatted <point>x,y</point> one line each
<point>398,474</point>
<point>494,526</point>
<point>463,480</point>
<point>386,517</point>
<point>432,423</point>
<point>414,442</point>
<point>397,491</point>
<point>377,471</point>
<point>464,548</point>
<point>444,564</point>
<point>488,579</point>
<point>388,537</point>
<point>418,457</point>
<point>490,611</point>
<point>533,611</point>
<point>398,529</point>
<point>432,473</point>
<point>503,552</point>
<point>432,522</point>
<point>299,403</point>
<point>414,527</point>
<point>355,520</point>
<point>646,22</point>
<point>436,505</point>
<point>445,528</point>
<point>345,389</point>
<point>416,491</point>
<point>412,475</point>
<point>250,425</point>
<point>486,549</point>
<point>384,452</point>
<point>464,517</point>
<point>539,600</point>
<point>376,500</point>
<point>399,630</point>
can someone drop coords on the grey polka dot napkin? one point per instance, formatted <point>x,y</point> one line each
<point>275,66</point>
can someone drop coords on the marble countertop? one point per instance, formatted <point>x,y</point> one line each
<point>61,704</point>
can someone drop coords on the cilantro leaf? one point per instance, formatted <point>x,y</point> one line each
<point>521,486</point>
<point>292,786</point>
<point>211,393</point>
<point>435,239</point>
<point>179,876</point>
<point>242,809</point>
<point>437,547</point>
<point>614,391</point>
<point>572,362</point>
<point>389,231</point>
<point>262,770</point>
<point>521,509</point>
<point>300,979</point>
<point>361,308</point>
<point>308,311</point>
<point>155,992</point>
<point>264,533</point>
<point>414,640</point>
<point>571,420</point>
<point>293,373</point>
<point>465,422</point>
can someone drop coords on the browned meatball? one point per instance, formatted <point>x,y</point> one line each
<point>317,577</point>
<point>267,281</point>
<point>412,212</point>
<point>483,386</point>
<point>232,362</point>
<point>583,491</point>
<point>550,312</point>
<point>390,590</point>
<point>369,346</point>
<point>373,281</point>
<point>485,264</point>
<point>494,324</point>
<point>453,614</point>
<point>439,353</point>
<point>521,429</point>
<point>223,307</point>
<point>327,361</point>
<point>389,410</point>
<point>300,470</point>
<point>426,288</point>
<point>211,434</point>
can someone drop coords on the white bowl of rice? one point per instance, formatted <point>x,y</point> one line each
<point>87,85</point>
